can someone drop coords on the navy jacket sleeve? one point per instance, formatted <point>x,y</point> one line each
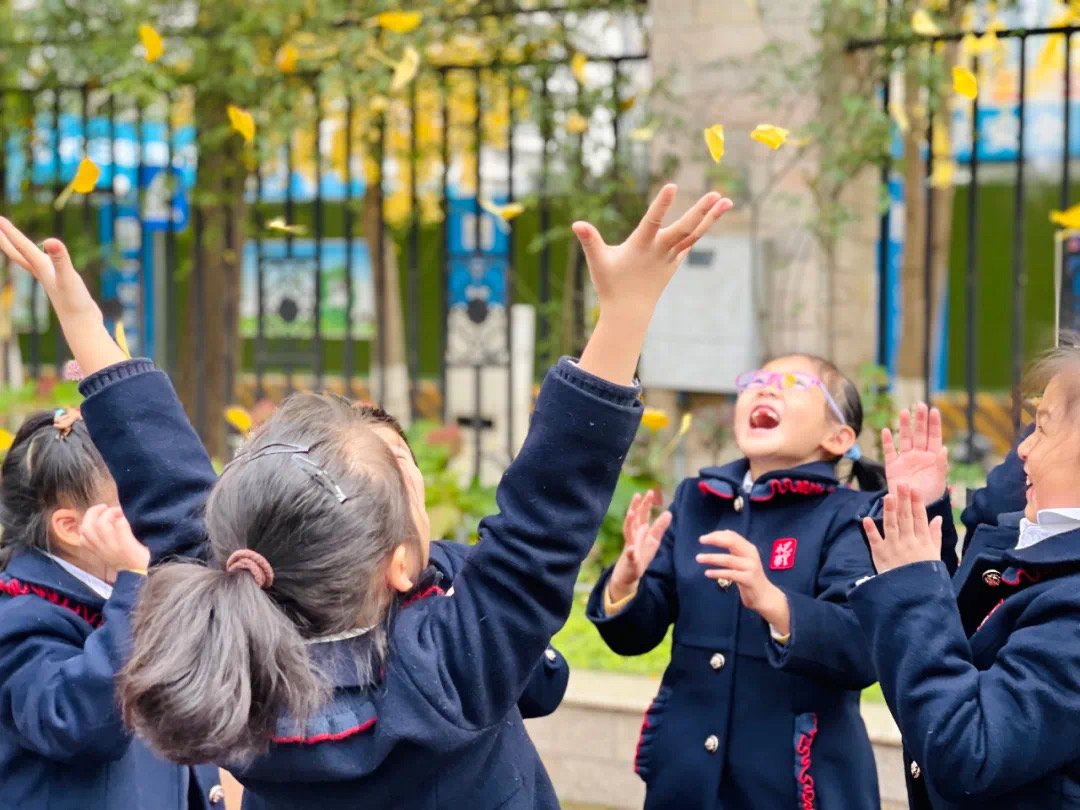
<point>516,588</point>
<point>159,464</point>
<point>547,685</point>
<point>643,622</point>
<point>57,696</point>
<point>1004,493</point>
<point>826,640</point>
<point>974,733</point>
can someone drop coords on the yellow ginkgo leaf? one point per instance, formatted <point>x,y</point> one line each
<point>242,121</point>
<point>788,381</point>
<point>239,418</point>
<point>279,224</point>
<point>405,69</point>
<point>654,419</point>
<point>400,22</point>
<point>685,423</point>
<point>86,177</point>
<point>714,139</point>
<point>7,438</point>
<point>772,136</point>
<point>577,66</point>
<point>1069,218</point>
<point>121,339</point>
<point>151,42</point>
<point>504,212</point>
<point>923,24</point>
<point>286,58</point>
<point>627,103</point>
<point>964,82</point>
<point>943,174</point>
<point>642,134</point>
<point>576,123</point>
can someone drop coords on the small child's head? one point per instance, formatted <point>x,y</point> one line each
<point>1051,454</point>
<point>794,410</point>
<point>51,475</point>
<point>315,528</point>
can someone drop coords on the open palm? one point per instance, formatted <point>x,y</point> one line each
<point>921,460</point>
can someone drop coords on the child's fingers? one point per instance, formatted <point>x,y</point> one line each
<point>61,260</point>
<point>730,561</point>
<point>654,217</point>
<point>22,244</point>
<point>732,541</point>
<point>656,532</point>
<point>871,530</point>
<point>630,519</point>
<point>718,210</point>
<point>888,447</point>
<point>935,532</point>
<point>730,575</point>
<point>905,430</point>
<point>591,242</point>
<point>13,254</point>
<point>921,430</point>
<point>684,226</point>
<point>904,518</point>
<point>934,437</point>
<point>919,520</point>
<point>889,518</point>
<point>90,530</point>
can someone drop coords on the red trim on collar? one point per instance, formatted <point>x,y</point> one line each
<point>434,590</point>
<point>986,618</point>
<point>12,587</point>
<point>792,486</point>
<point>709,489</point>
<point>319,738</point>
<point>1021,575</point>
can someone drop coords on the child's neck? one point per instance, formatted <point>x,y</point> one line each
<point>85,562</point>
<point>766,465</point>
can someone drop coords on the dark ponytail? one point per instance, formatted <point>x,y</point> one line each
<point>45,469</point>
<point>217,660</point>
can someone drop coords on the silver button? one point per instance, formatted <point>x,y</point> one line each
<point>550,655</point>
<point>723,584</point>
<point>916,771</point>
<point>712,742</point>
<point>216,794</point>
<point>717,661</point>
<point>738,504</point>
<point>992,578</point>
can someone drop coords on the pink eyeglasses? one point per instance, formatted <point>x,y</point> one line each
<point>787,381</point>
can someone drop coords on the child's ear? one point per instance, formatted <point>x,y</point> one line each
<point>839,441</point>
<point>64,527</point>
<point>399,573</point>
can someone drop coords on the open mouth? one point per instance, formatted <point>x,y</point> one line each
<point>764,417</point>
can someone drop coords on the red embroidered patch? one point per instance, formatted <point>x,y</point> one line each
<point>807,796</point>
<point>783,554</point>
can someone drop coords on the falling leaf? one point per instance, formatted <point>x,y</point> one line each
<point>576,123</point>
<point>7,438</point>
<point>279,224</point>
<point>685,423</point>
<point>86,177</point>
<point>900,116</point>
<point>400,22</point>
<point>239,418</point>
<point>504,212</point>
<point>1069,218</point>
<point>714,139</point>
<point>151,42</point>
<point>405,69</point>
<point>121,339</point>
<point>242,121</point>
<point>642,134</point>
<point>964,82</point>
<point>654,419</point>
<point>286,58</point>
<point>577,66</point>
<point>923,24</point>
<point>788,381</point>
<point>627,103</point>
<point>943,174</point>
<point>772,136</point>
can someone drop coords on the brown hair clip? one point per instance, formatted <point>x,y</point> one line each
<point>64,420</point>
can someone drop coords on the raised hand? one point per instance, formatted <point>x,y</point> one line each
<point>630,277</point>
<point>641,539</point>
<point>741,563</point>
<point>909,537</point>
<point>922,462</point>
<point>106,533</point>
<point>80,317</point>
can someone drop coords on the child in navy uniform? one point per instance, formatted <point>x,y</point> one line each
<point>759,707</point>
<point>981,673</point>
<point>65,600</point>
<point>317,652</point>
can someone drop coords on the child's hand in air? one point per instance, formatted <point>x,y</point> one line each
<point>52,268</point>
<point>106,533</point>
<point>741,564</point>
<point>923,461</point>
<point>641,539</point>
<point>909,538</point>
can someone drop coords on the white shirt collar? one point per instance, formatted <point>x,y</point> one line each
<point>1049,522</point>
<point>747,482</point>
<point>100,587</point>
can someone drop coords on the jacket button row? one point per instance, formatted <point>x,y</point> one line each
<point>712,742</point>
<point>738,504</point>
<point>916,771</point>
<point>216,794</point>
<point>992,578</point>
<point>723,584</point>
<point>717,661</point>
<point>550,655</point>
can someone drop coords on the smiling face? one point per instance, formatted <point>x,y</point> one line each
<point>1051,454</point>
<point>778,427</point>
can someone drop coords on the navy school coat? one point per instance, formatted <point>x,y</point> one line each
<point>443,729</point>
<point>740,722</point>
<point>63,745</point>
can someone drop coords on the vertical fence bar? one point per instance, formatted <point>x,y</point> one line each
<point>57,213</point>
<point>510,265</point>
<point>413,323</point>
<point>543,329</point>
<point>35,290</point>
<point>231,291</point>
<point>199,327</point>
<point>971,275</point>
<point>84,114</point>
<point>478,368</point>
<point>928,259</point>
<point>317,344</point>
<point>347,232</point>
<point>1066,112</point>
<point>6,281</point>
<point>260,287</point>
<point>444,265</point>
<point>290,218</point>
<point>172,298</point>
<point>379,263</point>
<point>140,172</point>
<point>1018,275</point>
<point>884,233</point>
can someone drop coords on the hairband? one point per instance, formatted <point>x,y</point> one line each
<point>854,452</point>
<point>246,559</point>
<point>64,420</point>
